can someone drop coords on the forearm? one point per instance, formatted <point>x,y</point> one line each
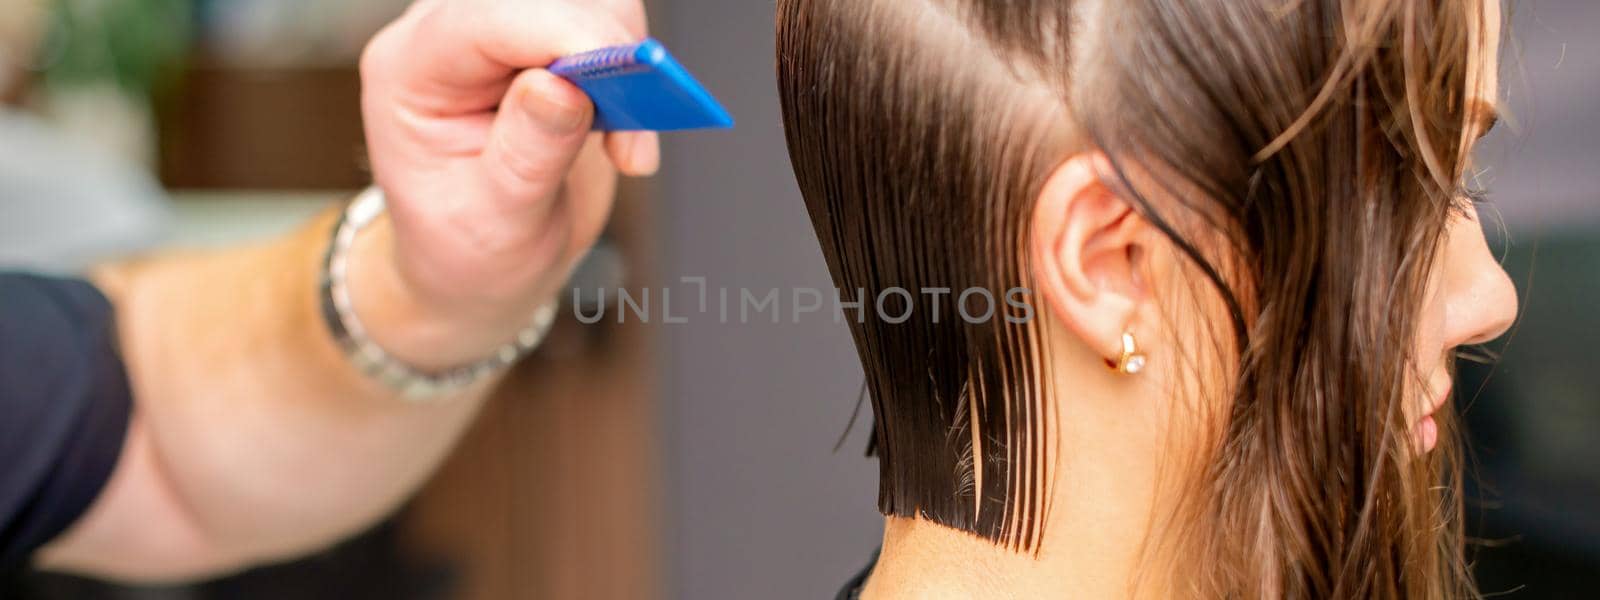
<point>270,443</point>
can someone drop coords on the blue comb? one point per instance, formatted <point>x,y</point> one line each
<point>641,87</point>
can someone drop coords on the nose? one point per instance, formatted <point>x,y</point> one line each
<point>1480,301</point>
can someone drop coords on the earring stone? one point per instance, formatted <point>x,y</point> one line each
<point>1131,361</point>
<point>1134,365</point>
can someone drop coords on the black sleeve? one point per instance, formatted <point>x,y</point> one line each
<point>64,408</point>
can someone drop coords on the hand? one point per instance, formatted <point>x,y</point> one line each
<point>495,184</point>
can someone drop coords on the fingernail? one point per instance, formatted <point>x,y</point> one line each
<point>550,108</point>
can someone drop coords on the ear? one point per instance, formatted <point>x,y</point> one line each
<point>1087,246</point>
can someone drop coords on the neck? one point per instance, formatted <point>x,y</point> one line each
<point>1091,546</point>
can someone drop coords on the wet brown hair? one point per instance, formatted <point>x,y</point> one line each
<point>1314,150</point>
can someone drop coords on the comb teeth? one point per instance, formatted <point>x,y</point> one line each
<point>605,62</point>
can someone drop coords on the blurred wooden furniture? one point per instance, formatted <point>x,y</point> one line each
<point>257,128</point>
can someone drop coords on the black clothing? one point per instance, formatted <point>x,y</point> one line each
<point>64,408</point>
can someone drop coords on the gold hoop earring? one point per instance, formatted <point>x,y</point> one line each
<point>1131,361</point>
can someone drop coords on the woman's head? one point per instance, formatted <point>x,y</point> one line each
<point>1266,194</point>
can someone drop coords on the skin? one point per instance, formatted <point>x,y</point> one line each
<point>1101,269</point>
<point>253,438</point>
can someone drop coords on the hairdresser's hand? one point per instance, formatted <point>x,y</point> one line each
<point>496,186</point>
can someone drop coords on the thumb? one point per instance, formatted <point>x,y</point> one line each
<point>536,135</point>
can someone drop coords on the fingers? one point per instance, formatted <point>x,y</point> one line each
<point>536,136</point>
<point>473,44</point>
<point>512,39</point>
<point>630,13</point>
<point>635,153</point>
<point>591,189</point>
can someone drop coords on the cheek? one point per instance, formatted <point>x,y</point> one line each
<point>1196,354</point>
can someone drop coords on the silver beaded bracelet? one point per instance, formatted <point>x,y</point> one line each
<point>411,383</point>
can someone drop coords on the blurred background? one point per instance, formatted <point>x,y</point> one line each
<point>695,460</point>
